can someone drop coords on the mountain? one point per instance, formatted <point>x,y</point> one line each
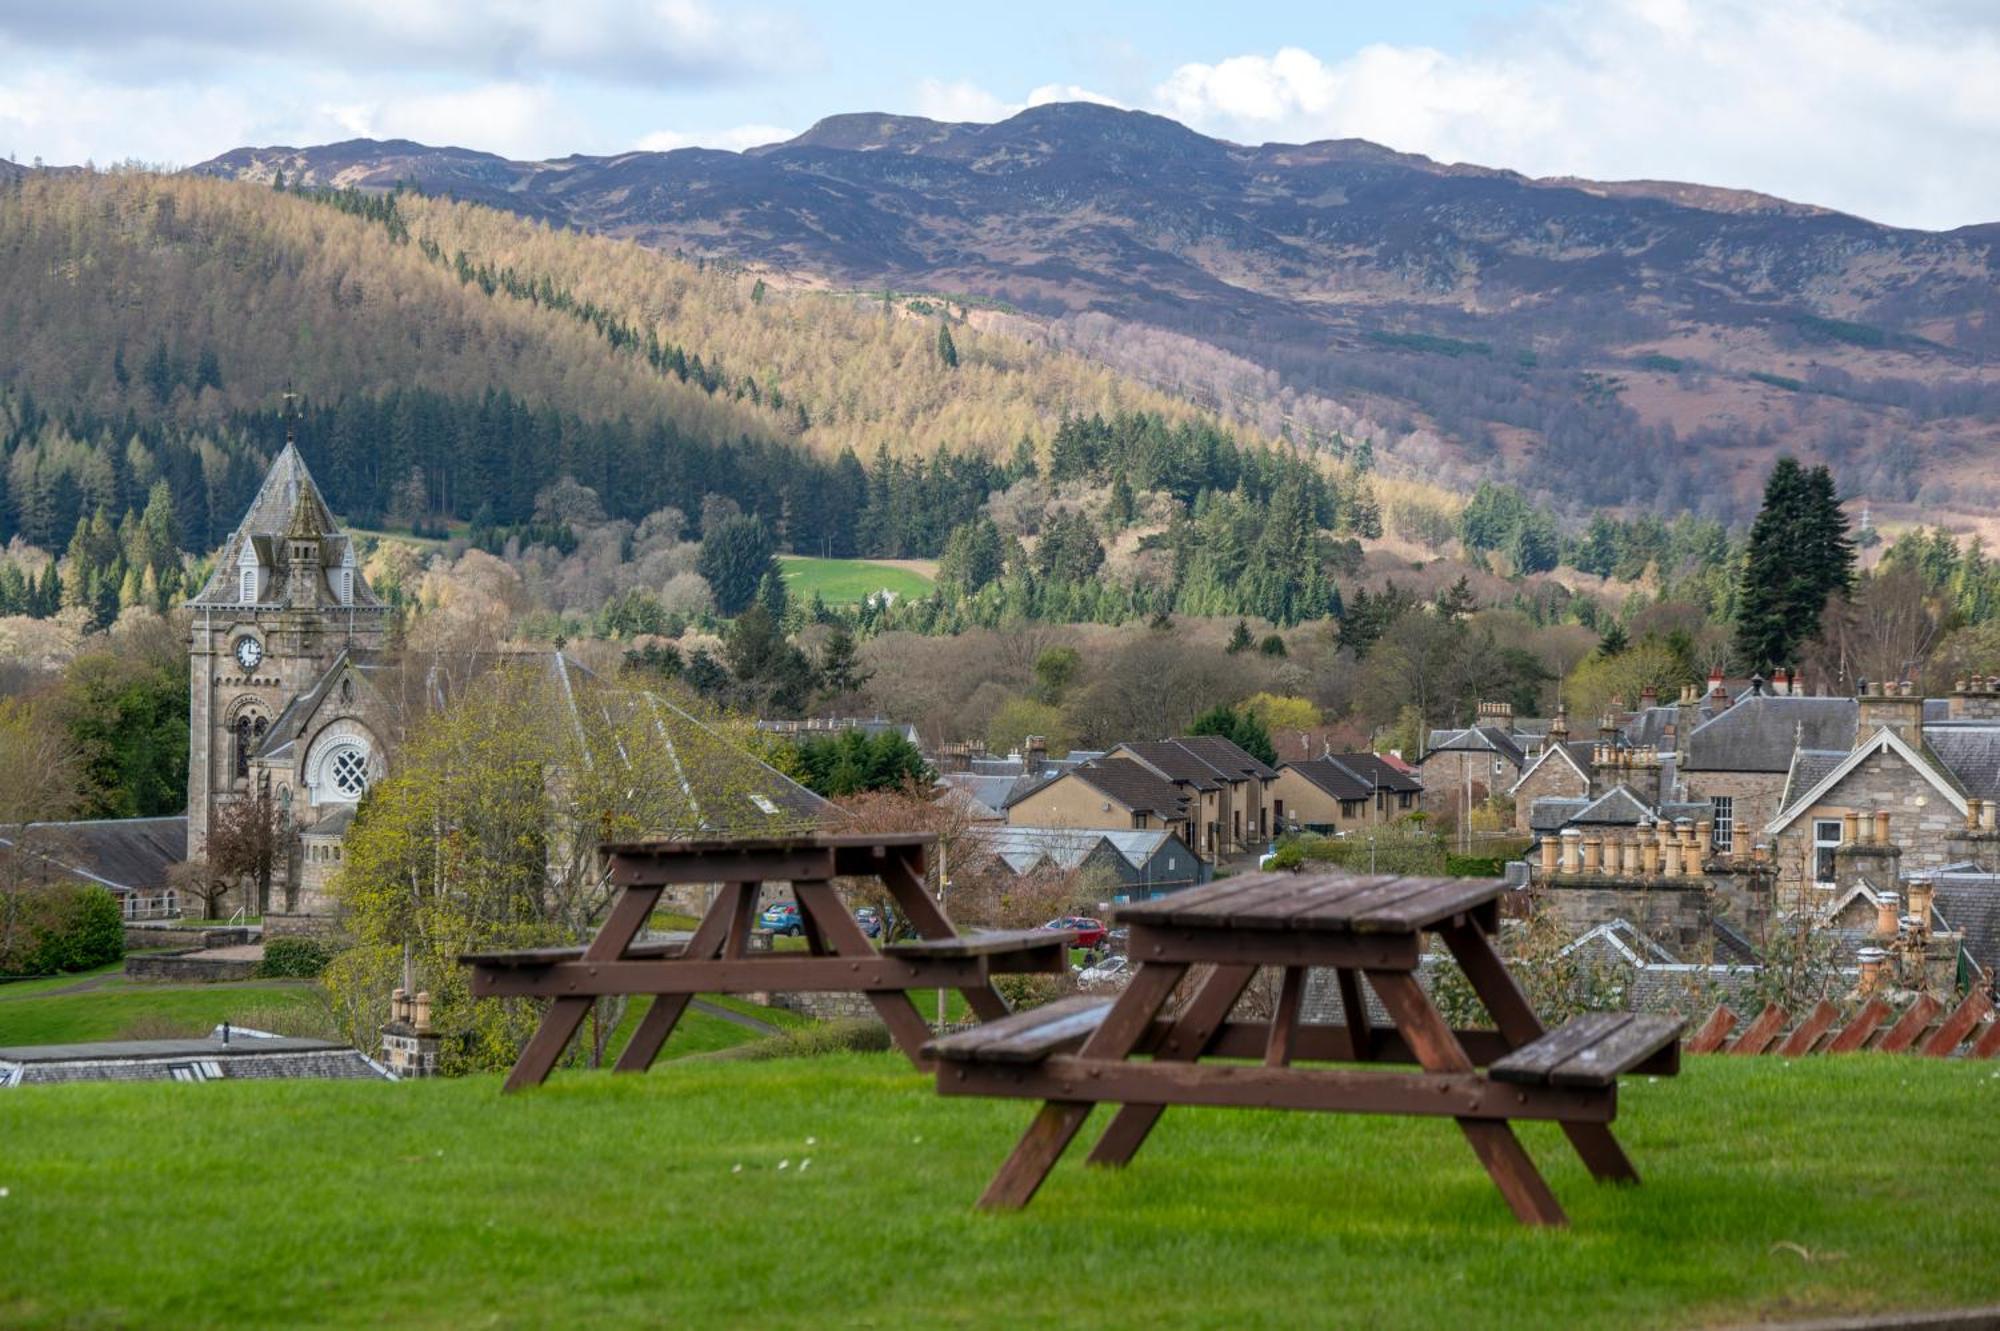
<point>1605,342</point>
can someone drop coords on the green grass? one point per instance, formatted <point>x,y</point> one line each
<point>1775,1189</point>
<point>846,581</point>
<point>120,1010</point>
<point>25,988</point>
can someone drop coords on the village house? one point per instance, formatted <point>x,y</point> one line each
<point>1461,769</point>
<point>1111,793</point>
<point>1341,792</point>
<point>1228,790</point>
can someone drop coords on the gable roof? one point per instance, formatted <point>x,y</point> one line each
<point>1575,752</point>
<point>1385,773</point>
<point>1761,731</point>
<point>1477,739</point>
<point>1882,741</point>
<point>288,501</point>
<point>1333,778</point>
<point>1226,756</point>
<point>1123,781</point>
<point>1173,761</point>
<point>1025,848</point>
<point>1971,752</point>
<point>123,854</point>
<point>1809,768</point>
<point>1616,807</point>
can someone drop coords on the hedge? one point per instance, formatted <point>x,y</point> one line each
<point>59,927</point>
<point>295,958</point>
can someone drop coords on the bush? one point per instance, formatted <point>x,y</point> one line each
<point>60,927</point>
<point>831,1037</point>
<point>1474,866</point>
<point>295,958</point>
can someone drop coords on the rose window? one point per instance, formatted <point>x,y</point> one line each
<point>349,771</point>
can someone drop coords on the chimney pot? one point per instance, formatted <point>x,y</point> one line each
<point>1888,914</point>
<point>1882,827</point>
<point>1851,830</point>
<point>1871,968</point>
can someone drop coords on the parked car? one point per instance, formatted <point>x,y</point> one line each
<point>870,921</point>
<point>1089,932</point>
<point>1113,970</point>
<point>781,918</point>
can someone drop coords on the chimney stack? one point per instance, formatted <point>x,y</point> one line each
<point>1888,914</point>
<point>1922,893</point>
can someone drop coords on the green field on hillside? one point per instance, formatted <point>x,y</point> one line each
<point>838,1191</point>
<point>845,581</point>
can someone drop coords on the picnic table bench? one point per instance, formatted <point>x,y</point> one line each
<point>1079,1052</point>
<point>839,956</point>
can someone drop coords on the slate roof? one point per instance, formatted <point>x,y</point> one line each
<point>1616,807</point>
<point>1476,739</point>
<point>1576,753</point>
<point>987,793</point>
<point>1809,768</point>
<point>1226,755</point>
<point>1176,762</point>
<point>1760,732</point>
<point>1383,772</point>
<point>1024,848</point>
<point>123,854</point>
<point>247,1055</point>
<point>1333,778</point>
<point>1971,752</point>
<point>287,500</point>
<point>1647,728</point>
<point>1125,782</point>
<point>1552,813</point>
<point>1968,901</point>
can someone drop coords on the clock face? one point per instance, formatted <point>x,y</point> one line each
<point>249,652</point>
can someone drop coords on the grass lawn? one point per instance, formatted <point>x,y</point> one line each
<point>845,581</point>
<point>1776,1189</point>
<point>120,1010</point>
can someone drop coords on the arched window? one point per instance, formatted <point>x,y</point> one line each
<point>346,771</point>
<point>249,734</point>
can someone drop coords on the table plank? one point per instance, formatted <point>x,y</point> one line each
<point>1532,1063</point>
<point>1439,900</point>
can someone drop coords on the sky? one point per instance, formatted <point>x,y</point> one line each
<point>1885,108</point>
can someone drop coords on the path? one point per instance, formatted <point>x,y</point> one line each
<point>742,1019</point>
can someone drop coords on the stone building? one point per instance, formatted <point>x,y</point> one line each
<point>294,696</point>
<point>1461,769</point>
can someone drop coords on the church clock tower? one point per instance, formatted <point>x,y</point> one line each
<point>284,604</point>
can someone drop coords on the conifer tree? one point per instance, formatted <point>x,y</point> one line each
<point>947,350</point>
<point>1799,555</point>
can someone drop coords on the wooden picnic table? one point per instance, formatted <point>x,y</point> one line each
<point>839,956</point>
<point>1081,1051</point>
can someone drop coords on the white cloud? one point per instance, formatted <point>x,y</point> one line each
<point>647,42</point>
<point>966,101</point>
<point>1878,107</point>
<point>513,119</point>
<point>735,139</point>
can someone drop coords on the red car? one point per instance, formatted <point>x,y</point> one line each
<point>1089,932</point>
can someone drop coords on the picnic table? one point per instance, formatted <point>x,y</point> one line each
<point>839,956</point>
<point>1079,1052</point>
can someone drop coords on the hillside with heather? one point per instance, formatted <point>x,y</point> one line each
<point>1471,321</point>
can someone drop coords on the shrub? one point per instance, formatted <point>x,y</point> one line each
<point>831,1037</point>
<point>60,927</point>
<point>295,958</point>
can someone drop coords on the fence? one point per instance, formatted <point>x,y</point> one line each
<point>1924,1027</point>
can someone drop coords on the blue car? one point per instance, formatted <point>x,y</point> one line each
<point>782,918</point>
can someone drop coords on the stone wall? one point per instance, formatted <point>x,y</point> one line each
<point>1555,776</point>
<point>1922,821</point>
<point>1672,911</point>
<point>142,939</point>
<point>193,967</point>
<point>1445,775</point>
<point>823,1007</point>
<point>1756,796</point>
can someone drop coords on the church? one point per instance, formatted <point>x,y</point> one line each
<point>284,634</point>
<point>295,693</point>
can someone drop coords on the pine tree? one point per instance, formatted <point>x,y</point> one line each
<point>947,350</point>
<point>1239,638</point>
<point>1799,555</point>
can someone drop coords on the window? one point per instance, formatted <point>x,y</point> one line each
<point>250,730</point>
<point>347,772</point>
<point>249,593</point>
<point>1724,814</point>
<point>346,591</point>
<point>1826,840</point>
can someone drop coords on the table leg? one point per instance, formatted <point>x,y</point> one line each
<point>1354,1006</point>
<point>1507,1162</point>
<point>665,1011</point>
<point>1285,1020</point>
<point>1515,1017</point>
<point>1189,1039</point>
<point>1056,1123</point>
<point>545,1047</point>
<point>905,883</point>
<point>840,936</point>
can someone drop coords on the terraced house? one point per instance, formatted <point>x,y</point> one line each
<point>1228,791</point>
